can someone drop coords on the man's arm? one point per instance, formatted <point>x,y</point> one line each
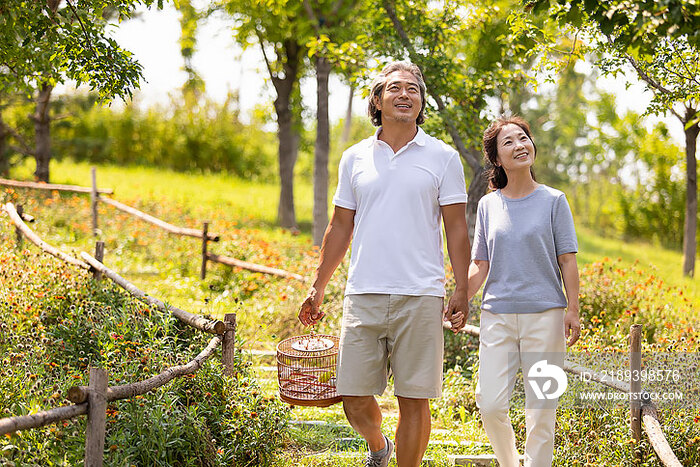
<point>458,248</point>
<point>336,241</point>
<point>569,274</point>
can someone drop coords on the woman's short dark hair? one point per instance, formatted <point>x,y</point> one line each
<point>379,84</point>
<point>494,173</point>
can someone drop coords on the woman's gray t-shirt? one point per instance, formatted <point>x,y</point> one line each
<point>521,239</point>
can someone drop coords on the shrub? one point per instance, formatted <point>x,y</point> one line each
<point>613,297</point>
<point>56,323</point>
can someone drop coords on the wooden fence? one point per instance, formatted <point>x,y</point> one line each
<point>204,234</point>
<point>92,400</point>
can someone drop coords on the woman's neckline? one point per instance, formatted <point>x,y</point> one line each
<point>507,198</point>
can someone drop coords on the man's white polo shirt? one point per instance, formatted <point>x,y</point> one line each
<point>397,239</point>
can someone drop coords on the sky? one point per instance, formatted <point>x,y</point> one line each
<point>153,39</point>
<point>224,66</point>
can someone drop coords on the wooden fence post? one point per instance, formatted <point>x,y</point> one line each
<point>205,239</point>
<point>228,344</point>
<point>93,200</point>
<point>97,418</point>
<point>18,232</point>
<point>636,381</point>
<point>99,256</point>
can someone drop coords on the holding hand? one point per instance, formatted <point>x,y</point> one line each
<point>310,312</point>
<point>457,310</point>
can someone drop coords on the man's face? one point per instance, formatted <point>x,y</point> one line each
<point>401,101</point>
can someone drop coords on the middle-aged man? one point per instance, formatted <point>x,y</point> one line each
<point>393,189</point>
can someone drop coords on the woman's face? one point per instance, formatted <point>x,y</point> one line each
<point>515,148</point>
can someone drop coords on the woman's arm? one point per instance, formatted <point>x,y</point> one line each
<point>569,274</point>
<point>478,270</point>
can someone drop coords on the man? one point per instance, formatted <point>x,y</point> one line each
<point>393,188</point>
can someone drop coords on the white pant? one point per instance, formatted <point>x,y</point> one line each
<point>509,342</point>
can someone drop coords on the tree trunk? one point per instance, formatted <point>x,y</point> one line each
<point>347,127</point>
<point>42,124</point>
<point>691,201</point>
<point>4,153</point>
<point>477,189</point>
<point>288,137</point>
<point>321,150</point>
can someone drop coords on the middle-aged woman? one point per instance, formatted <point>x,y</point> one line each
<point>524,246</point>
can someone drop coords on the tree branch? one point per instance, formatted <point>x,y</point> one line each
<point>82,26</point>
<point>312,16</point>
<point>471,159</point>
<point>267,60</point>
<point>654,85</point>
<point>642,74</point>
<point>680,75</point>
<point>26,149</point>
<point>691,75</point>
<point>336,8</point>
<point>20,150</point>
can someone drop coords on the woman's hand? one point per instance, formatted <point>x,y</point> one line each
<point>572,327</point>
<point>457,310</point>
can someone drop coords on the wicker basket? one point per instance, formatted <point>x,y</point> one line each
<point>306,370</point>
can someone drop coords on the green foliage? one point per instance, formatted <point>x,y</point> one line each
<point>458,401</point>
<point>559,123</point>
<point>42,43</point>
<point>201,138</point>
<point>636,24</point>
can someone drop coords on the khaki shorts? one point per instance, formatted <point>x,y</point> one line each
<point>404,331</point>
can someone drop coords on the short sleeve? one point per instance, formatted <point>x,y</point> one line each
<point>344,196</point>
<point>480,250</point>
<point>452,188</point>
<point>563,225</point>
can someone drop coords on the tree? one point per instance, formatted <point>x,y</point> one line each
<point>189,22</point>
<point>43,44</point>
<point>7,134</point>
<point>280,28</point>
<point>661,42</point>
<point>330,23</point>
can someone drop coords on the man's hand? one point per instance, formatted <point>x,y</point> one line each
<point>310,312</point>
<point>572,327</point>
<point>457,310</point>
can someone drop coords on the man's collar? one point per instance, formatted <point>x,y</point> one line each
<point>419,139</point>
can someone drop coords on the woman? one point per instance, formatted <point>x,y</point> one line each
<point>524,245</point>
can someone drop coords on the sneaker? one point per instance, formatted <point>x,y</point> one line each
<point>372,461</point>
